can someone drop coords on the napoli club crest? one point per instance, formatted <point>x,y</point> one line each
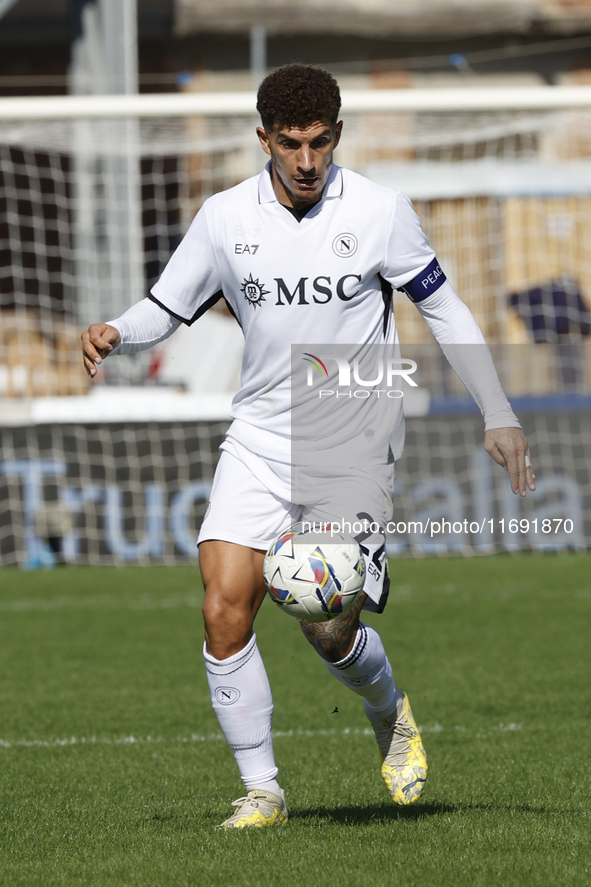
<point>253,291</point>
<point>345,245</point>
<point>227,695</point>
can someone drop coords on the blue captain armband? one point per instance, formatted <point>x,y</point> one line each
<point>425,284</point>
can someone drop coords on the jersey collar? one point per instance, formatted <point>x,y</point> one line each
<point>333,187</point>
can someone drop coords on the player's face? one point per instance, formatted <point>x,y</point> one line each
<point>301,160</point>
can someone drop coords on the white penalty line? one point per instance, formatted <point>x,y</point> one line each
<point>217,737</point>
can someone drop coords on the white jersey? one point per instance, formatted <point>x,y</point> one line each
<point>326,279</point>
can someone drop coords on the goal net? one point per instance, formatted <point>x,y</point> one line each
<point>91,209</point>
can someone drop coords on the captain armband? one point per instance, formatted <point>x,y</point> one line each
<point>424,284</point>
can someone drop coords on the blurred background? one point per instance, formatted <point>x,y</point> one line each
<point>479,111</point>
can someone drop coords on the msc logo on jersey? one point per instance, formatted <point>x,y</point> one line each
<point>345,245</point>
<point>253,291</point>
<point>321,290</point>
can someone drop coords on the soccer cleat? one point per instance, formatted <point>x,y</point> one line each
<point>259,809</point>
<point>404,762</point>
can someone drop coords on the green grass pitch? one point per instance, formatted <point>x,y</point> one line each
<point>113,772</point>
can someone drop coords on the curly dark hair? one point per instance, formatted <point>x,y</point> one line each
<point>298,95</point>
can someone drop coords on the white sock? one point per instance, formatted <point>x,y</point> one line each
<point>367,671</point>
<point>241,698</point>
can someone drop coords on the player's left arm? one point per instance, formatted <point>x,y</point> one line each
<point>411,266</point>
<point>509,448</point>
<point>453,325</point>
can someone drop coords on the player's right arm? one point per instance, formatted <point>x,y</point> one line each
<point>145,324</point>
<point>189,285</point>
<point>97,342</point>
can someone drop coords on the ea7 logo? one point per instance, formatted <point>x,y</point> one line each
<point>227,695</point>
<point>242,248</point>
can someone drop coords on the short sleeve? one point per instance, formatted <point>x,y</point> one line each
<point>408,251</point>
<point>191,282</point>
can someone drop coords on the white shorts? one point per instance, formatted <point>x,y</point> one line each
<point>251,503</point>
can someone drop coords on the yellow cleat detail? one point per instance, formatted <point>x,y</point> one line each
<point>259,809</point>
<point>404,762</point>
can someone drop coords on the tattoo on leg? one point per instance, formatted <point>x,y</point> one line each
<point>333,640</point>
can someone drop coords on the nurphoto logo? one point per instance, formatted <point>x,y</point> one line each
<point>385,371</point>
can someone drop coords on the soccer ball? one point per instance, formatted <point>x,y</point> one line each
<point>314,575</point>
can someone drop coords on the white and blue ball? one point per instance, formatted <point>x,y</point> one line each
<point>314,574</point>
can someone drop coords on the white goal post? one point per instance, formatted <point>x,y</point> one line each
<point>242,104</point>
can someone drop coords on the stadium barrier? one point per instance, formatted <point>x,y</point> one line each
<point>123,493</point>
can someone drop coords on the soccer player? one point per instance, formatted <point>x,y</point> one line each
<point>304,252</point>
